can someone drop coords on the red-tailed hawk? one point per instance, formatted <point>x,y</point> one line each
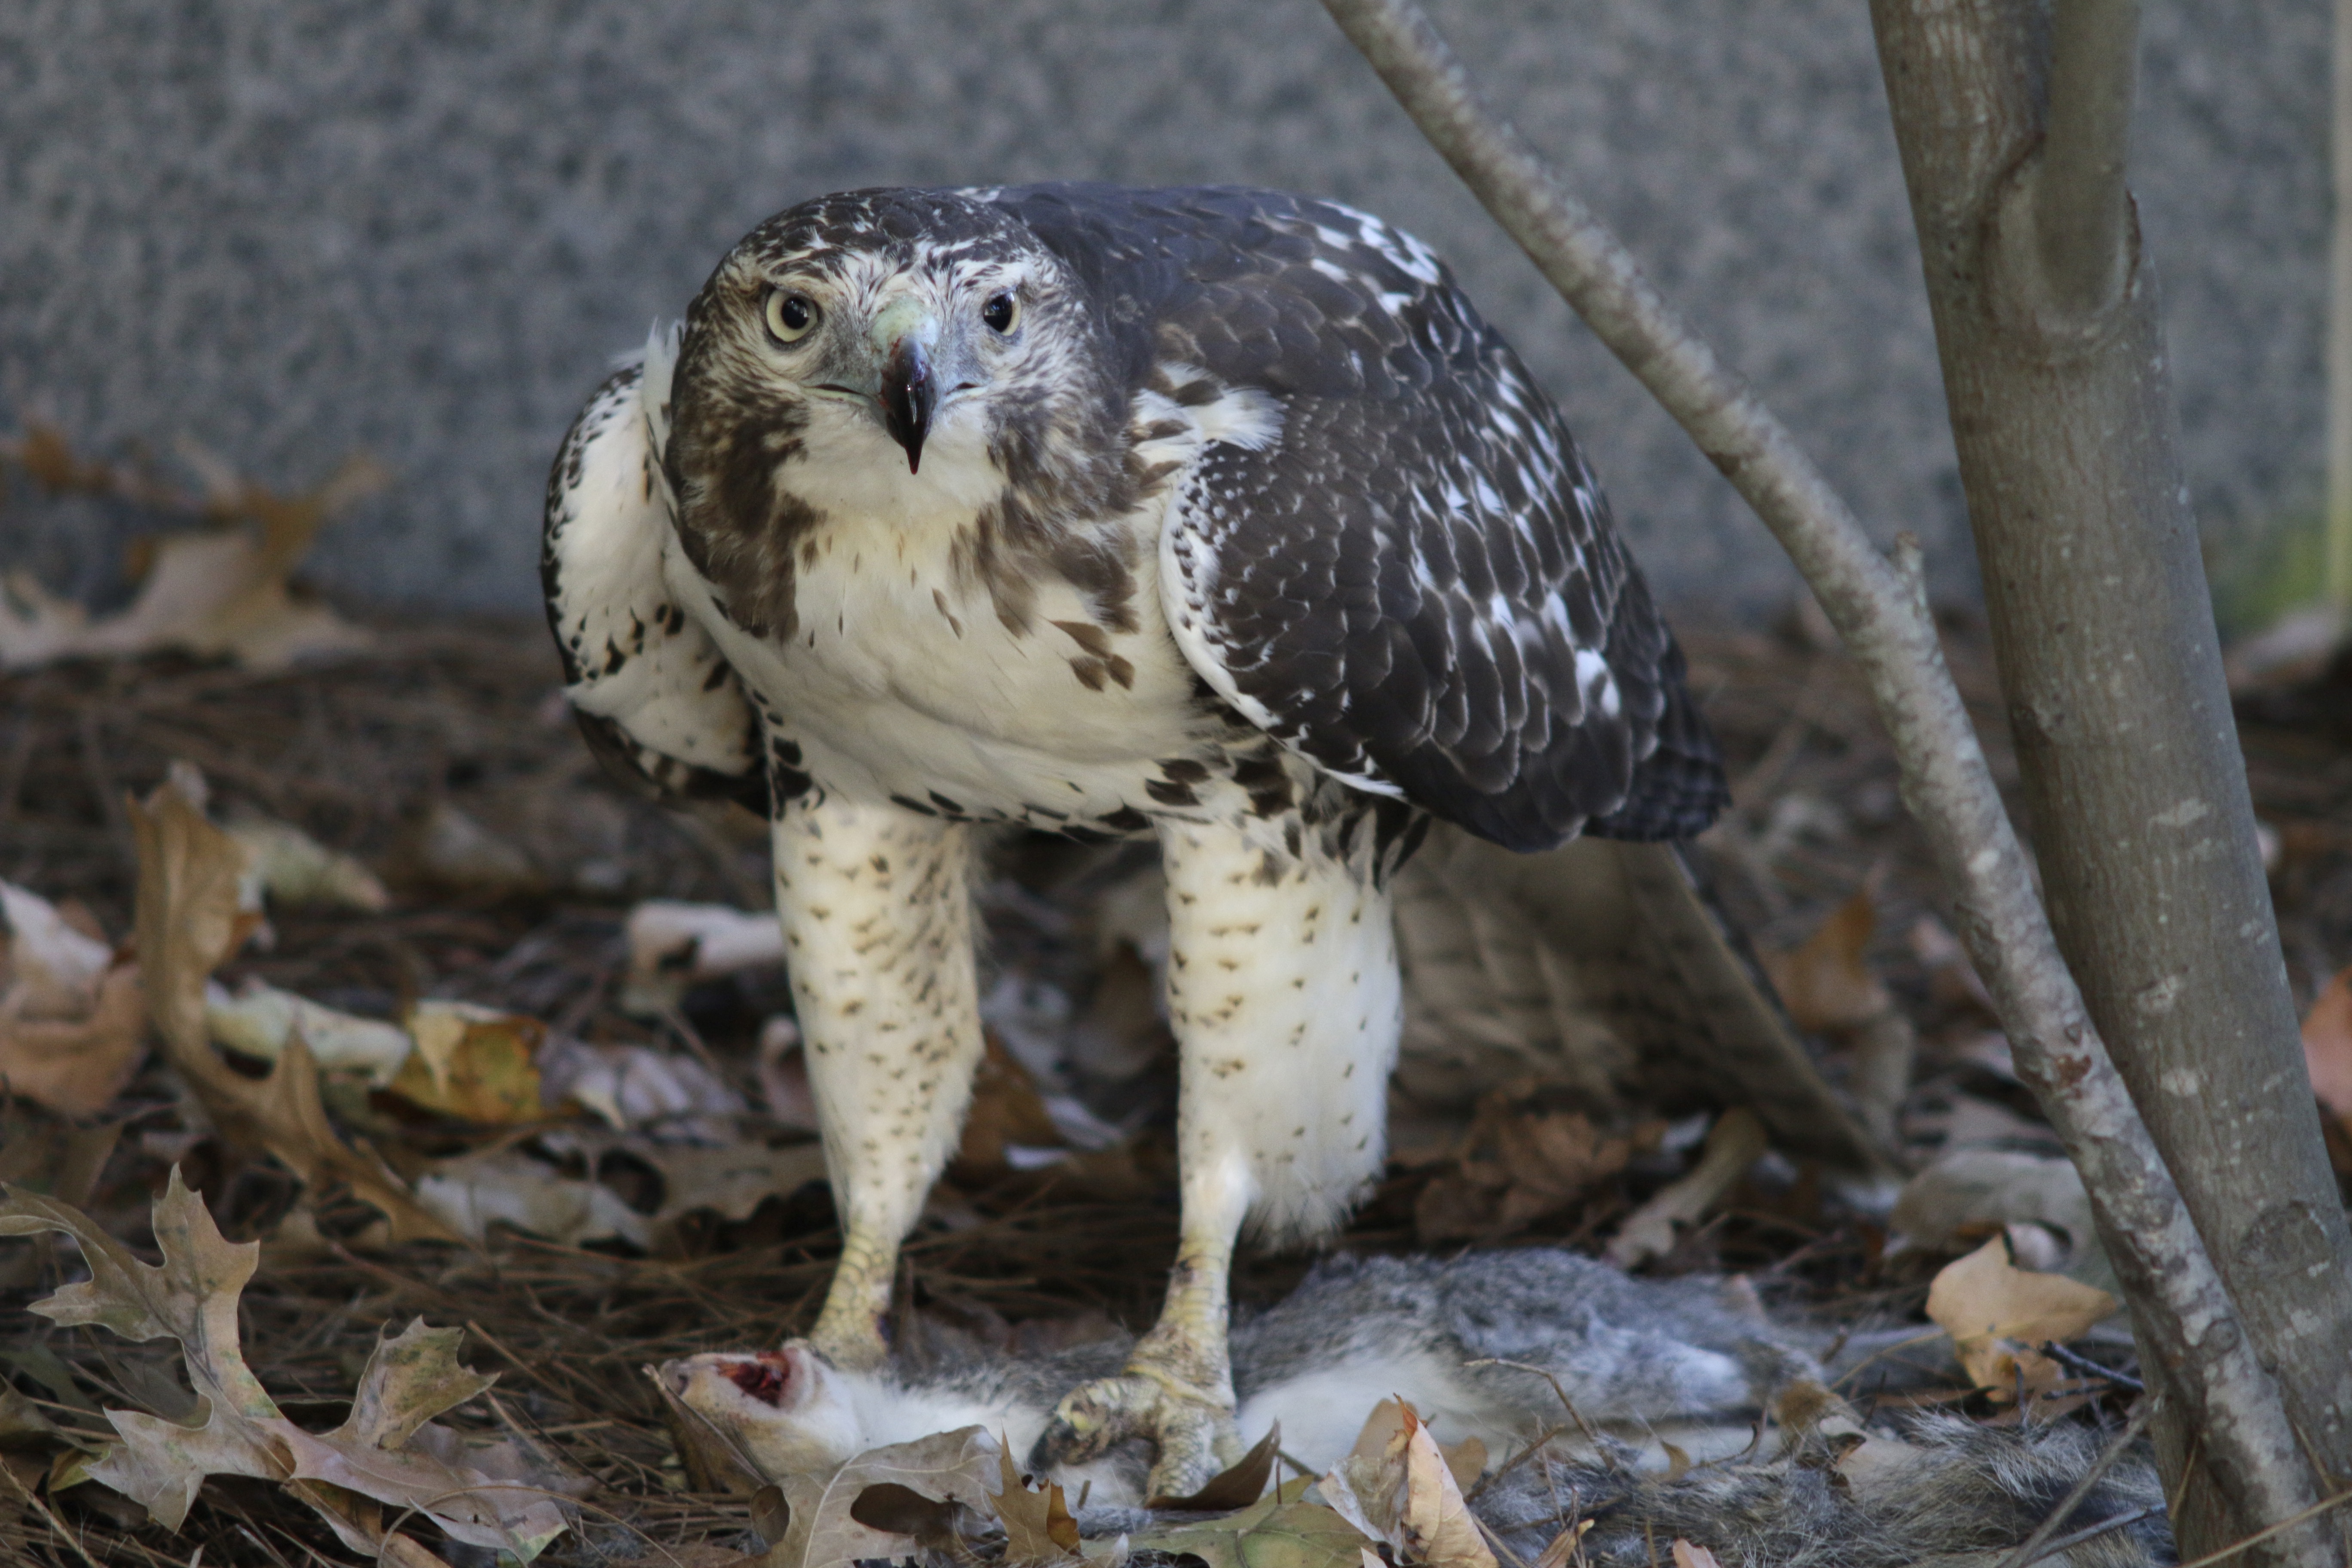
<point>1213,514</point>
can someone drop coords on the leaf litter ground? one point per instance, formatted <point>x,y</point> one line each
<point>442,760</point>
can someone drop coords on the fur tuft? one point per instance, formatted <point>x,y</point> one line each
<point>1966,1489</point>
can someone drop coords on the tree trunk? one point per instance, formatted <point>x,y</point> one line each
<point>2339,522</point>
<point>2012,131</point>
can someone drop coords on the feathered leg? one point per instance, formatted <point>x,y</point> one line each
<point>1283,993</point>
<point>877,914</point>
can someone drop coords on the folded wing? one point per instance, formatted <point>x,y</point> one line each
<point>657,702</point>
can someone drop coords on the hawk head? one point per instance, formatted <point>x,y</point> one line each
<point>891,354</point>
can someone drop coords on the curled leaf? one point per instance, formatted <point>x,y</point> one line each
<point>1824,982</point>
<point>258,1020</point>
<point>958,1467</point>
<point>472,1063</point>
<point>1995,1312</point>
<point>288,865</point>
<point>188,922</point>
<point>1277,1533</point>
<point>1397,1486</point>
<point>1038,1527</point>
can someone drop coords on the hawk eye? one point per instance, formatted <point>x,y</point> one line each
<point>790,316</point>
<point>1000,312</point>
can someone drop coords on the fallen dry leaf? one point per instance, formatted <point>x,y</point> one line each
<point>475,1064</point>
<point>72,1021</point>
<point>401,1552</point>
<point>1396,1487</point>
<point>1467,1460</point>
<point>631,1087</point>
<point>386,1451</point>
<point>2327,1044</point>
<point>1278,1532</point>
<point>288,865</point>
<point>258,1020</point>
<point>190,1298</point>
<point>187,915</point>
<point>1734,1144</point>
<point>1238,1485</point>
<point>1378,1450</point>
<point>1520,1163</point>
<point>508,1186</point>
<point>730,1179</point>
<point>1829,990</point>
<point>188,922</point>
<point>1435,1521</point>
<point>222,590</point>
<point>1037,1524</point>
<point>472,1192</point>
<point>76,1066</point>
<point>1996,1313</point>
<point>825,1532</point>
<point>291,1123</point>
<point>449,851</point>
<point>674,944</point>
<point>487,1493</point>
<point>49,967</point>
<point>1969,1187</point>
<point>1824,984</point>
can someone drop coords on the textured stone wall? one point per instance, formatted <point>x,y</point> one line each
<point>421,229</point>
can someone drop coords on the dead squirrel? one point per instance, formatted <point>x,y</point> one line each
<point>1693,1363</point>
<point>1631,1356</point>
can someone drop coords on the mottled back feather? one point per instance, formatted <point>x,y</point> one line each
<point>1417,585</point>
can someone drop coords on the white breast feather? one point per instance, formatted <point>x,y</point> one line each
<point>900,679</point>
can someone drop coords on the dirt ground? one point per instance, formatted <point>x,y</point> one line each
<point>445,759</point>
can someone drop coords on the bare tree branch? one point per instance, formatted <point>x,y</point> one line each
<point>1880,609</point>
<point>2079,197</point>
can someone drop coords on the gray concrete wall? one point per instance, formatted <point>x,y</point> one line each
<point>421,229</point>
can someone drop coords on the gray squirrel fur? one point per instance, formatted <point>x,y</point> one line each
<point>1966,1498</point>
<point>1693,1362</point>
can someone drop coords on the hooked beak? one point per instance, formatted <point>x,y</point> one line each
<point>908,395</point>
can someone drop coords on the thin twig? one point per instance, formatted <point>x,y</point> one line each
<point>1881,1352</point>
<point>517,1362</point>
<point>1494,1540</point>
<point>2075,1360</point>
<point>56,1525</point>
<point>2092,1532</point>
<point>1879,607</point>
<point>2142,1413</point>
<point>1606,1455</point>
<point>1513,1462</point>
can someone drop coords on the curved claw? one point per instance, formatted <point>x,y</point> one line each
<point>1193,1437</point>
